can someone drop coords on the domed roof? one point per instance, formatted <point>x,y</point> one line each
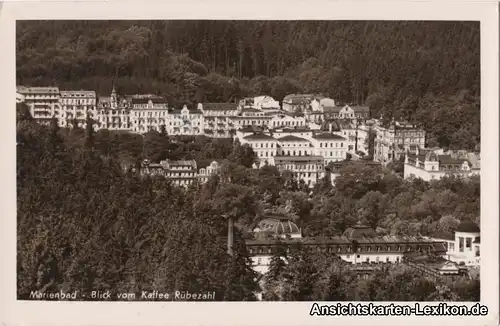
<point>468,226</point>
<point>359,231</point>
<point>326,125</point>
<point>277,226</point>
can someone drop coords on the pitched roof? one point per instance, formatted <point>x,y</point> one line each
<point>447,159</point>
<point>298,98</point>
<point>278,159</point>
<point>258,137</point>
<point>292,138</point>
<point>327,136</point>
<point>443,235</point>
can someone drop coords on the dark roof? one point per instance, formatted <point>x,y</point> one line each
<point>360,231</point>
<point>277,159</point>
<point>250,110</point>
<point>328,136</point>
<point>468,226</point>
<point>259,137</point>
<point>278,130</point>
<point>298,98</point>
<point>278,226</point>
<point>447,159</point>
<point>443,235</point>
<point>292,138</point>
<point>360,108</point>
<point>219,106</point>
<point>334,123</point>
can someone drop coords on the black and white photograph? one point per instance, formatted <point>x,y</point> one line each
<point>234,160</point>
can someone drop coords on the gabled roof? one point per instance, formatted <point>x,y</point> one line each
<point>447,159</point>
<point>258,137</point>
<point>443,236</point>
<point>327,136</point>
<point>292,138</point>
<point>278,159</point>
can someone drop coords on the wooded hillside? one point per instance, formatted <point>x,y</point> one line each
<point>427,72</point>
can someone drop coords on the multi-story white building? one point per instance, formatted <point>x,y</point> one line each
<point>264,146</point>
<point>185,122</point>
<point>43,102</point>
<point>359,245</point>
<point>148,113</point>
<point>310,169</point>
<point>291,145</point>
<point>433,164</point>
<point>218,119</point>
<point>181,173</point>
<point>330,146</point>
<point>113,113</point>
<point>76,107</point>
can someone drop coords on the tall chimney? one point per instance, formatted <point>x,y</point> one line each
<point>230,235</point>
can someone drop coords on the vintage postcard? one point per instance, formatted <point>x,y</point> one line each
<point>260,163</point>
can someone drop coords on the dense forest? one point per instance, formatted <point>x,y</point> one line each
<point>425,72</point>
<point>87,221</point>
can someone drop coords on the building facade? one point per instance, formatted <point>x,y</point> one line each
<point>433,164</point>
<point>148,114</point>
<point>43,102</point>
<point>359,245</point>
<point>75,107</point>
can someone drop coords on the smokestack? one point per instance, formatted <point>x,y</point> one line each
<point>230,235</point>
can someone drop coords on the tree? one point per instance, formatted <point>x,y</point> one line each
<point>372,208</point>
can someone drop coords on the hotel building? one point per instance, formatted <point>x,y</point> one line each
<point>148,113</point>
<point>181,173</point>
<point>185,122</point>
<point>113,113</point>
<point>396,140</point>
<point>359,245</point>
<point>76,107</point>
<point>43,102</point>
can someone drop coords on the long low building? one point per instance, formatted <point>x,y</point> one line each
<point>358,245</point>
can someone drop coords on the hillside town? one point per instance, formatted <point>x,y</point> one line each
<point>309,136</point>
<point>302,135</point>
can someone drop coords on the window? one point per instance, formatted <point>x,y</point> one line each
<point>461,244</point>
<point>468,244</point>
